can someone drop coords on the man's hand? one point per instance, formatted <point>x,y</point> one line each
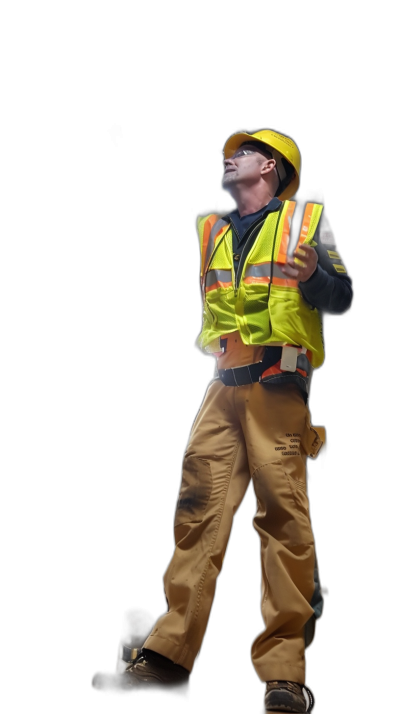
<point>308,263</point>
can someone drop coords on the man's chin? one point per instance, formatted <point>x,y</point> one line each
<point>228,179</point>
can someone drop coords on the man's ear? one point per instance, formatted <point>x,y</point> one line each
<point>268,165</point>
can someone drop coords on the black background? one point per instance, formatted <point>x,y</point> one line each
<point>143,167</point>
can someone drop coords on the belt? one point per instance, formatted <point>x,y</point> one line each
<point>239,376</point>
<point>249,373</point>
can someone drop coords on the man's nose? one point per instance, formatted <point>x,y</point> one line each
<point>228,162</point>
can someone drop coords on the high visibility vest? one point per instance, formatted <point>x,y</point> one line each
<point>260,301</point>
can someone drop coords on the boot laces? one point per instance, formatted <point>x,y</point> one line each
<point>140,658</point>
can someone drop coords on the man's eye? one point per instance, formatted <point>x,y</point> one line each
<point>243,152</point>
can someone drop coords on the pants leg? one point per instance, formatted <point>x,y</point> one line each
<point>317,604</point>
<point>214,481</point>
<point>274,422</point>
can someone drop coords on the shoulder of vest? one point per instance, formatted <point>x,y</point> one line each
<point>305,203</point>
<point>210,218</point>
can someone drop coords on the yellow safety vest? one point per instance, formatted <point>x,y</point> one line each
<point>262,310</point>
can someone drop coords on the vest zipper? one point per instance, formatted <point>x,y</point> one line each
<point>241,262</point>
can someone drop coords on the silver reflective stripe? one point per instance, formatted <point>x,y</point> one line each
<point>259,271</point>
<point>264,271</point>
<point>278,273</point>
<point>218,276</point>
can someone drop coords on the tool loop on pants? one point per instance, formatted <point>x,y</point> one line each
<point>249,373</point>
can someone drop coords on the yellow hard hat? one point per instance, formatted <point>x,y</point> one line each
<point>283,150</point>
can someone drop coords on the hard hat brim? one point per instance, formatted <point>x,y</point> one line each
<point>234,142</point>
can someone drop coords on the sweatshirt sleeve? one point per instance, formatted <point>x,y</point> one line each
<point>329,288</point>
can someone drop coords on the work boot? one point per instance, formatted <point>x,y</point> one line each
<point>288,697</point>
<point>137,626</point>
<point>150,672</point>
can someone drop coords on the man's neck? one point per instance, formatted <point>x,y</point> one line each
<point>250,201</point>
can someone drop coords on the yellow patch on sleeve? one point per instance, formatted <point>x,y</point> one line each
<point>339,268</point>
<point>334,255</point>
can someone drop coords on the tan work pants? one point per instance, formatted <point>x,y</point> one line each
<point>242,433</point>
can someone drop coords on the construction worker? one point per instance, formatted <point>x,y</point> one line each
<point>262,321</point>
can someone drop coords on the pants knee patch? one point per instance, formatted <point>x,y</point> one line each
<point>195,491</point>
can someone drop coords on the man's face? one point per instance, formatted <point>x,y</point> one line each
<point>245,166</point>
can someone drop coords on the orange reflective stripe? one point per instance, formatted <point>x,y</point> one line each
<point>306,224</point>
<point>211,220</point>
<point>287,221</point>
<point>285,282</point>
<point>218,284</point>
